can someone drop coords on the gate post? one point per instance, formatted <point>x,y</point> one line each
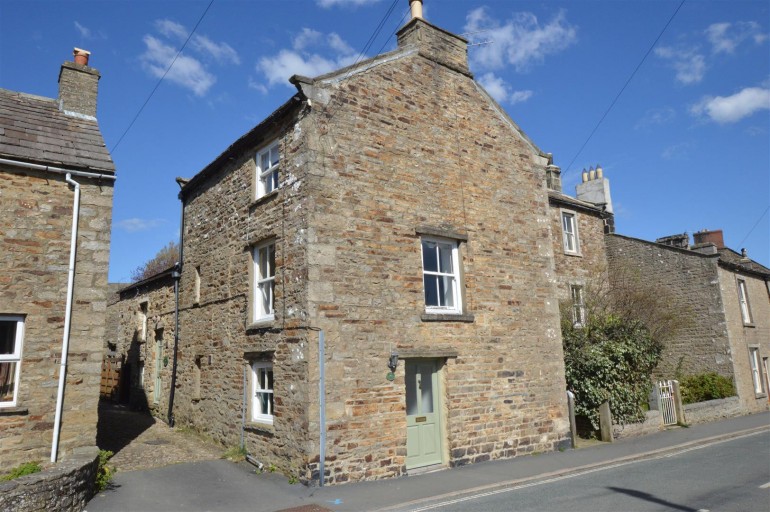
<point>605,422</point>
<point>678,406</point>
<point>572,424</point>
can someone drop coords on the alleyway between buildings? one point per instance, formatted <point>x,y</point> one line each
<point>140,441</point>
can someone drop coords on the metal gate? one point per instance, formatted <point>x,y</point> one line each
<point>666,401</point>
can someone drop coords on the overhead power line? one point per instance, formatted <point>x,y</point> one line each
<point>139,112</point>
<point>624,86</point>
<point>754,227</point>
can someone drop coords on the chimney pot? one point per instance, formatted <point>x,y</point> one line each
<point>415,6</point>
<point>714,237</point>
<point>599,172</point>
<point>81,56</point>
<point>585,175</point>
<point>744,253</point>
<point>591,174</point>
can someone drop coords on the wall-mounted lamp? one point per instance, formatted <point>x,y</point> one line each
<point>393,361</point>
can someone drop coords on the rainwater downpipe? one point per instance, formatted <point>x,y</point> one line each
<point>177,275</point>
<point>321,406</point>
<point>67,318</point>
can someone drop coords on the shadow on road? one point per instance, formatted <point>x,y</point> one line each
<point>653,499</point>
<point>118,425</point>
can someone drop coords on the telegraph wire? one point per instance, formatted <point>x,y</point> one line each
<point>624,87</point>
<point>139,112</point>
<point>754,227</point>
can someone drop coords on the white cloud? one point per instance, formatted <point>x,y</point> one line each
<point>85,32</point>
<point>726,37</point>
<point>326,4</point>
<point>656,117</point>
<point>679,151</point>
<point>199,43</point>
<point>278,68</point>
<point>690,66</point>
<point>501,91</point>
<point>135,224</point>
<point>731,109</point>
<point>522,41</point>
<point>186,71</point>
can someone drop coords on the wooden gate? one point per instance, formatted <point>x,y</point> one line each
<point>666,401</point>
<point>110,383</point>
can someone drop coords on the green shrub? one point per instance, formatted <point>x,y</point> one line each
<point>705,386</point>
<point>235,454</point>
<point>609,358</point>
<point>24,469</point>
<point>104,473</point>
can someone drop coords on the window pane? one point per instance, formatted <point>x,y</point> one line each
<point>274,155</point>
<point>271,260</point>
<point>264,400</point>
<point>426,391</point>
<point>266,295</point>
<point>7,336</point>
<point>264,163</point>
<point>263,263</point>
<point>431,290</point>
<point>269,375</point>
<point>429,259</point>
<point>445,258</point>
<point>446,291</point>
<point>7,381</point>
<point>411,390</point>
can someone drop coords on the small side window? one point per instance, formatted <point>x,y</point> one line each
<point>11,339</point>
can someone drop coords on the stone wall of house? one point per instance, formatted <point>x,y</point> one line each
<point>689,280</point>
<point>219,337</point>
<point>412,148</point>
<point>146,353</point>
<point>34,253</point>
<point>588,267</point>
<point>745,335</point>
<point>42,492</point>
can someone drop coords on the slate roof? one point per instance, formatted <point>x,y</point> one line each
<point>733,260</point>
<point>33,129</point>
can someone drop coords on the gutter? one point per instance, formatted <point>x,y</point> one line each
<point>58,170</point>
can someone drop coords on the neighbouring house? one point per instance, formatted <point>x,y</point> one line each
<point>367,278</point>
<point>725,296</point>
<point>56,186</point>
<point>579,225</point>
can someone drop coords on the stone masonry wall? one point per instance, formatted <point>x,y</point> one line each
<point>589,266</point>
<point>744,335</point>
<point>218,337</point>
<point>690,279</point>
<point>151,355</point>
<point>65,487</point>
<point>34,253</point>
<point>408,147</point>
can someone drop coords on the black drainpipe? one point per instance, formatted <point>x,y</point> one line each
<point>176,274</point>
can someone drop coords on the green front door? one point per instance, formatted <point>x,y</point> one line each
<point>158,362</point>
<point>423,428</point>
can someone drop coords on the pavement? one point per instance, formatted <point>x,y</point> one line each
<point>222,485</point>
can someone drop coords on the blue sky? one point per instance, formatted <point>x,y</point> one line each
<point>686,147</point>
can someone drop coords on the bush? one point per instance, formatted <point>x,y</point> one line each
<point>705,386</point>
<point>609,358</point>
<point>104,473</point>
<point>24,469</point>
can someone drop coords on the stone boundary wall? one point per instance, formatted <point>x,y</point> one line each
<point>652,423</point>
<point>712,410</point>
<point>67,486</point>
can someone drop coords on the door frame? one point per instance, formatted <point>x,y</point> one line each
<point>441,404</point>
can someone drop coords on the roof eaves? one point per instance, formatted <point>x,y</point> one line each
<point>157,277</point>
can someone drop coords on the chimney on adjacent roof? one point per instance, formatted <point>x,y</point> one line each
<point>709,237</point>
<point>595,188</point>
<point>679,241</point>
<point>552,174</point>
<point>434,43</point>
<point>78,86</point>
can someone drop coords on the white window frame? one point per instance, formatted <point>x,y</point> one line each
<point>268,179</point>
<point>263,282</point>
<point>14,357</point>
<point>259,386</point>
<point>743,301</point>
<point>570,239</point>
<point>453,274</point>
<point>577,297</point>
<point>756,375</point>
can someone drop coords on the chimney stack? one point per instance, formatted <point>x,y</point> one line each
<point>78,86</point>
<point>709,237</point>
<point>595,188</point>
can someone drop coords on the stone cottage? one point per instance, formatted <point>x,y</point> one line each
<point>726,298</point>
<point>579,225</point>
<point>351,299</point>
<point>56,184</point>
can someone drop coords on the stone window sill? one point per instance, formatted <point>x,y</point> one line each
<point>749,324</point>
<point>265,199</point>
<point>262,428</point>
<point>571,253</point>
<point>13,411</point>
<point>261,324</point>
<point>446,317</point>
